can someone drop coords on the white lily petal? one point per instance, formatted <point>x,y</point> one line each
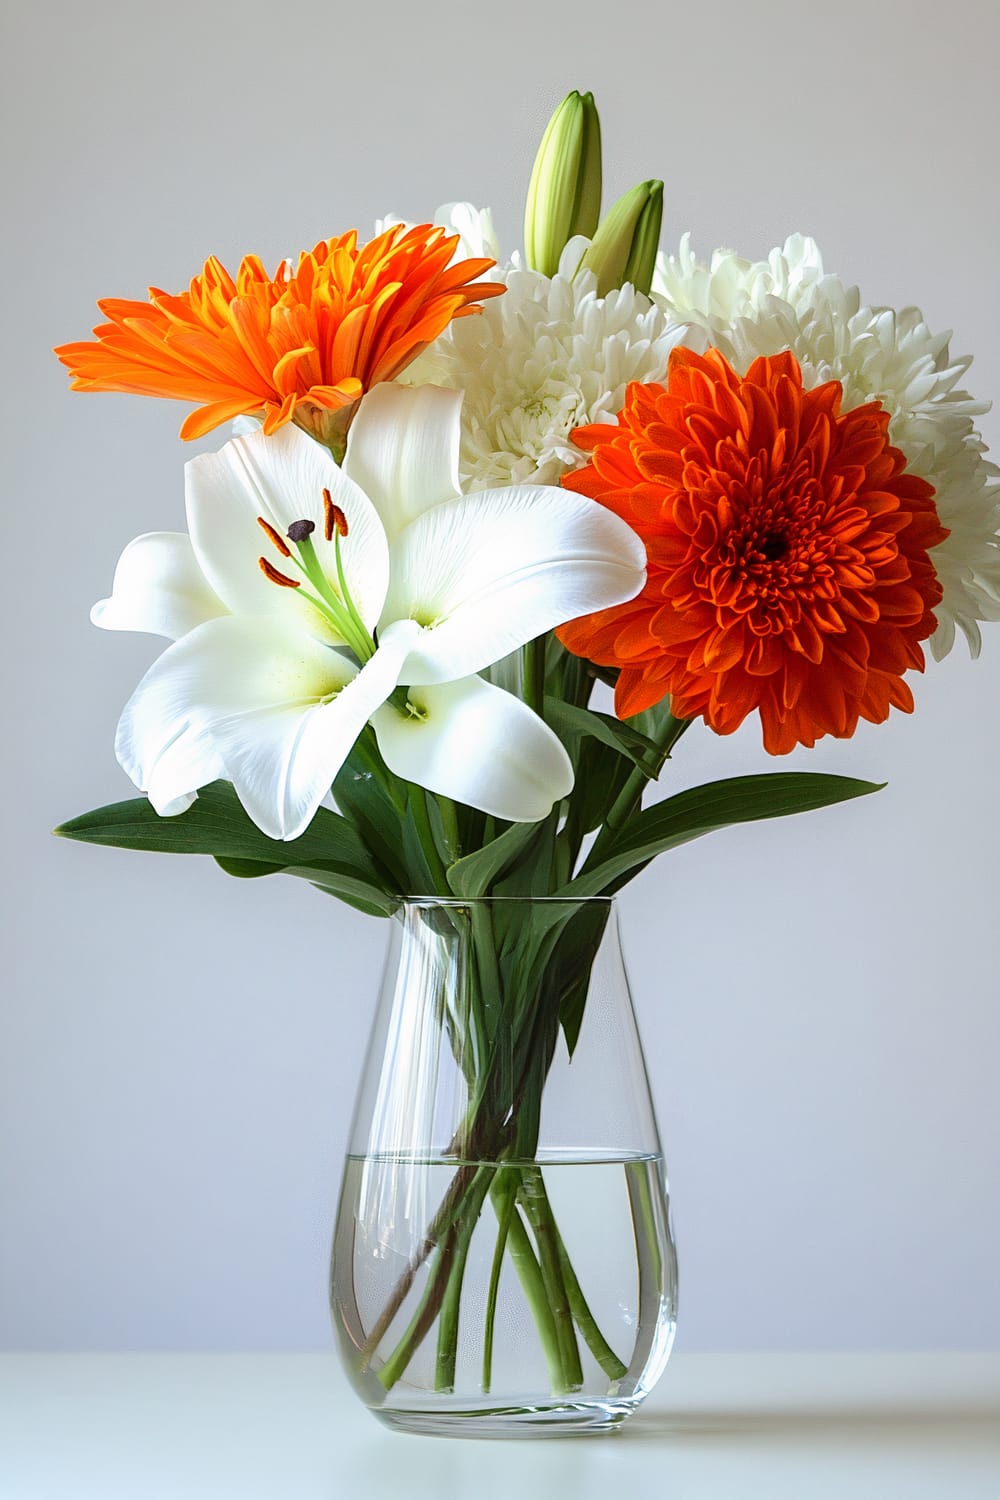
<point>282,761</point>
<point>158,588</point>
<point>282,479</point>
<point>177,806</point>
<point>402,450</point>
<point>259,702</point>
<point>240,426</point>
<point>189,761</point>
<point>479,745</point>
<point>489,572</point>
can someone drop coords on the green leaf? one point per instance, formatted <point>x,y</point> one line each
<point>347,888</point>
<point>215,824</point>
<point>361,795</point>
<point>420,879</point>
<point>575,961</point>
<point>472,876</point>
<point>329,852</point>
<point>246,869</point>
<point>703,809</point>
<point>333,880</point>
<point>600,776</point>
<point>573,724</point>
<point>662,729</point>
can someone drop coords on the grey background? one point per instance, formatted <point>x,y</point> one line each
<point>178,1051</point>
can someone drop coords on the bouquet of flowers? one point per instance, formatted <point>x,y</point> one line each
<point>466,497</point>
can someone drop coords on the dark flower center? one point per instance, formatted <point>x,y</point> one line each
<point>774,546</point>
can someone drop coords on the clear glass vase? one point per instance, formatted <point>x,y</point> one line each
<point>502,1259</point>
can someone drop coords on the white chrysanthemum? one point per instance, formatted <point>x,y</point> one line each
<point>747,309</point>
<point>548,357</point>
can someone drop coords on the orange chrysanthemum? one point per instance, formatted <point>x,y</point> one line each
<point>787,547</point>
<point>301,346</point>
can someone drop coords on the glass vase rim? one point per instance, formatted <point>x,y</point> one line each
<point>452,901</point>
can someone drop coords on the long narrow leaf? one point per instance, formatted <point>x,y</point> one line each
<point>344,884</point>
<point>473,875</point>
<point>328,852</point>
<point>574,724</point>
<point>704,809</point>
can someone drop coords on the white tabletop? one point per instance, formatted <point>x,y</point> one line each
<point>286,1427</point>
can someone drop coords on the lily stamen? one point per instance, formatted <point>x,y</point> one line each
<point>333,601</point>
<point>333,518</point>
<point>275,537</point>
<point>271,572</point>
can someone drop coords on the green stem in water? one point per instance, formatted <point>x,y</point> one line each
<point>462,1231</point>
<point>438,1228</point>
<point>533,1285</point>
<point>427,1310</point>
<point>585,1321</point>
<point>447,1345</point>
<point>539,1213</point>
<point>451,1254</point>
<point>504,1195</point>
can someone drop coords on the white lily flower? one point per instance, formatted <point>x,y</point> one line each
<point>380,595</point>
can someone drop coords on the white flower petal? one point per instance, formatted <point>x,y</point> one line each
<point>240,426</point>
<point>545,358</point>
<point>188,761</point>
<point>260,703</point>
<point>158,588</point>
<point>489,572</point>
<point>479,745</point>
<point>402,450</point>
<point>282,479</point>
<point>478,238</point>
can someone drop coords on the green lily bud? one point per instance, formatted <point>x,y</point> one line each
<point>564,194</point>
<point>625,245</point>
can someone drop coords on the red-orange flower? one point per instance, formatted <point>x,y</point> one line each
<point>787,548</point>
<point>302,345</point>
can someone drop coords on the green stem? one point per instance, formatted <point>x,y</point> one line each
<point>428,843</point>
<point>534,675</point>
<point>504,1195</point>
<point>449,822</point>
<point>533,1285</point>
<point>585,1321</point>
<point>451,1255</point>
<point>420,1323</point>
<point>539,1212</point>
<point>489,991</point>
<point>630,796</point>
<point>439,1226</point>
<point>449,1320</point>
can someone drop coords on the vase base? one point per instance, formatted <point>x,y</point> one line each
<point>560,1419</point>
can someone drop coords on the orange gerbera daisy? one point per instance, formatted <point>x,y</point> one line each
<point>300,346</point>
<point>787,548</point>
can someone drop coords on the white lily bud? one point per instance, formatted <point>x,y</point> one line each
<point>564,193</point>
<point>624,248</point>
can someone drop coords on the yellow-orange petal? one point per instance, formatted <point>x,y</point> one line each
<point>312,337</point>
